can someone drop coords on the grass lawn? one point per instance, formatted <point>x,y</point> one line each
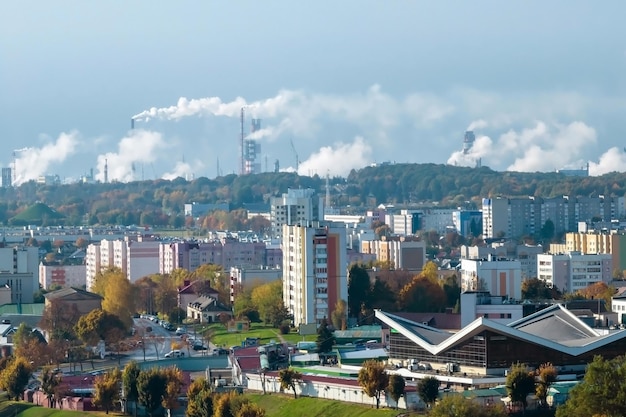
<point>286,406</point>
<point>221,336</point>
<point>25,409</point>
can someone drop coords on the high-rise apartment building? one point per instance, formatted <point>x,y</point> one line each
<point>314,271</point>
<point>296,207</point>
<point>19,271</point>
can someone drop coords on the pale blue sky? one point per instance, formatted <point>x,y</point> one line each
<point>367,81</point>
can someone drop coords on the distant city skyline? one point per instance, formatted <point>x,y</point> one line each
<point>349,84</point>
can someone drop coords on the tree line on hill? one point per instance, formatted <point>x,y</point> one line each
<point>161,202</point>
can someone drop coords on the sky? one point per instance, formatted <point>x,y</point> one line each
<point>337,86</point>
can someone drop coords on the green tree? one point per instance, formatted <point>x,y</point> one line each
<point>396,386</point>
<point>358,289</point>
<point>15,377</point>
<point>422,294</point>
<point>548,231</point>
<point>200,399</point>
<point>130,376</point>
<point>325,338</point>
<point>428,389</point>
<point>49,383</point>
<point>602,391</point>
<point>107,389</point>
<point>288,378</point>
<point>151,386</point>
<point>519,384</point>
<point>373,379</point>
<point>458,406</point>
<point>538,289</point>
<point>546,376</point>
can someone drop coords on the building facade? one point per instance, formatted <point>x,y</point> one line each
<point>62,276</point>
<point>398,253</point>
<point>574,271</point>
<point>295,207</point>
<point>314,271</point>
<point>499,276</point>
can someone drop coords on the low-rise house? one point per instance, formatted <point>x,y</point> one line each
<point>206,310</point>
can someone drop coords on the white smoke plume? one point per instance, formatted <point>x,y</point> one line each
<point>138,147</point>
<point>338,160</point>
<point>477,124</point>
<point>183,170</point>
<point>31,162</point>
<point>542,147</point>
<point>613,160</point>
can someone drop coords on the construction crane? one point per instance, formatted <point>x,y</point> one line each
<point>295,153</point>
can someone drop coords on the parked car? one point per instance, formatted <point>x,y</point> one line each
<point>181,331</point>
<point>175,354</point>
<point>220,351</point>
<point>199,346</point>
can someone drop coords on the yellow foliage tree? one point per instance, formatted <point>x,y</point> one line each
<point>118,294</point>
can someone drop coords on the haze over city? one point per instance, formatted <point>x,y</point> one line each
<point>348,84</point>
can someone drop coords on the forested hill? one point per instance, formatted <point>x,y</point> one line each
<point>398,184</point>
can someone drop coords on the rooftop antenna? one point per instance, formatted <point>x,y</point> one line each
<point>327,202</point>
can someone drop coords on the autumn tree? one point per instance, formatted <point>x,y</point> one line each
<point>107,389</point>
<point>428,389</point>
<point>396,386</point>
<point>288,378</point>
<point>152,387</point>
<point>15,377</point>
<point>519,384</point>
<point>599,291</point>
<point>373,378</point>
<point>250,409</point>
<point>339,315</point>
<point>174,378</point>
<point>243,307</point>
<point>546,375</point>
<point>59,319</point>
<point>100,325</point>
<point>200,398</point>
<point>422,294</point>
<point>219,281</point>
<point>117,292</point>
<point>130,376</point>
<point>228,404</point>
<point>602,391</point>
<point>267,298</point>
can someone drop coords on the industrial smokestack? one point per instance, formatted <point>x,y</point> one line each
<point>132,123</point>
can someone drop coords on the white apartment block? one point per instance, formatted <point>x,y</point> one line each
<point>315,271</point>
<point>476,304</point>
<point>65,276</point>
<point>501,277</point>
<point>404,224</point>
<point>574,271</point>
<point>439,220</point>
<point>295,207</point>
<point>135,258</point>
<point>618,306</point>
<point>516,217</point>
